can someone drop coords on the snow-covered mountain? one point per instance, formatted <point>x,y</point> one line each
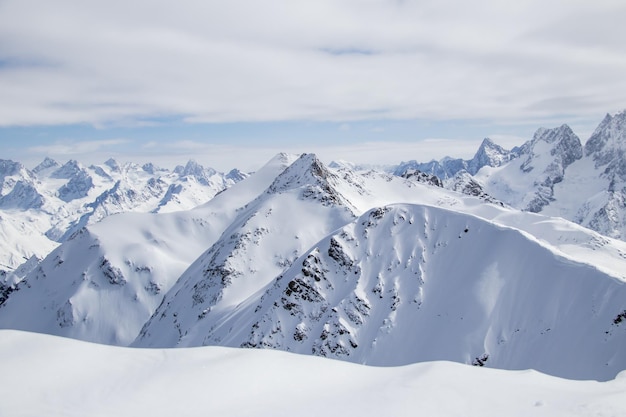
<point>105,281</point>
<point>554,174</point>
<point>528,181</point>
<point>41,208</point>
<point>402,283</point>
<point>409,283</point>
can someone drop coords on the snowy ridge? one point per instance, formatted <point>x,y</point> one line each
<point>405,284</point>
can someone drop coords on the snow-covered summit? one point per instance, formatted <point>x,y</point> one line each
<point>527,182</point>
<point>607,146</point>
<point>46,166</point>
<point>23,196</point>
<point>488,154</point>
<point>68,170</point>
<point>11,173</point>
<point>113,164</point>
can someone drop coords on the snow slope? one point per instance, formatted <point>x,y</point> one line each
<point>45,375</point>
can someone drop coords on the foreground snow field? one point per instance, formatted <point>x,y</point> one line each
<point>50,376</point>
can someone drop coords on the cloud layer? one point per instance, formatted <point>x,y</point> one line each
<point>134,62</point>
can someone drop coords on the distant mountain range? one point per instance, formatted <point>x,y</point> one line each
<point>43,207</point>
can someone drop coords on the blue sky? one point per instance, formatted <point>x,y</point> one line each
<point>231,83</point>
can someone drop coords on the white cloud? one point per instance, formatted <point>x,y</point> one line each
<point>341,60</point>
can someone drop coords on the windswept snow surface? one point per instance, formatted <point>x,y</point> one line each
<point>48,376</point>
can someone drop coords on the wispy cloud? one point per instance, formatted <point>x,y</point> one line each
<point>76,147</point>
<point>117,61</point>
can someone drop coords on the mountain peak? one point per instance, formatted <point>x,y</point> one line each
<point>8,167</point>
<point>236,175</point>
<point>306,170</point>
<point>68,170</point>
<point>113,164</point>
<point>607,144</point>
<point>46,164</point>
<point>196,170</point>
<point>150,168</point>
<point>24,196</point>
<point>488,154</point>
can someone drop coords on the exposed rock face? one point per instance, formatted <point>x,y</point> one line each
<point>46,164</point>
<point>563,148</point>
<point>422,177</point>
<point>23,196</point>
<point>605,210</point>
<point>607,146</point>
<point>464,183</point>
<point>488,154</point>
<point>77,187</point>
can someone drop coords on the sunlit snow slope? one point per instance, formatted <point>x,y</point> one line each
<point>48,376</point>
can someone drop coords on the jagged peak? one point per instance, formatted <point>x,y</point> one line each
<point>488,144</point>
<point>47,163</point>
<point>565,149</point>
<point>422,177</point>
<point>314,179</point>
<point>9,167</point>
<point>306,170</point>
<point>464,183</point>
<point>24,195</point>
<point>554,134</point>
<point>68,170</point>
<point>608,141</point>
<point>193,168</point>
<point>236,175</point>
<point>113,164</point>
<point>150,168</point>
